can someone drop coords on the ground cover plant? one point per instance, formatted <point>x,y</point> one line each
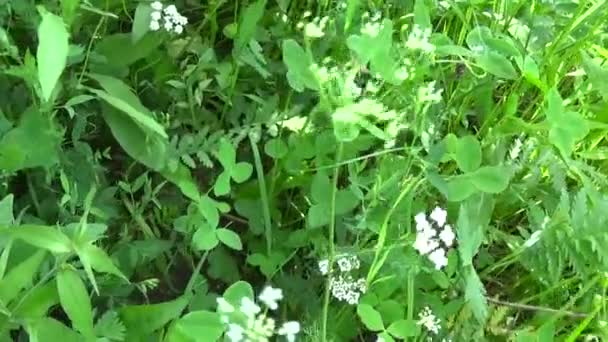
<point>290,170</point>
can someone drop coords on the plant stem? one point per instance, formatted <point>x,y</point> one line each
<point>259,170</point>
<point>332,249</point>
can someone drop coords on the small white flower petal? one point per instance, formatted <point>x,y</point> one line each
<point>439,216</point>
<point>447,235</point>
<point>157,5</point>
<point>178,29</point>
<point>154,25</point>
<point>270,297</point>
<point>235,332</point>
<point>249,308</point>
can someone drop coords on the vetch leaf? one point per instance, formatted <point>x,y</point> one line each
<point>52,53</point>
<point>74,300</point>
<point>370,317</point>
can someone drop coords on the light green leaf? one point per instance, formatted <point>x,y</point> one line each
<point>20,277</point>
<point>276,148</point>
<point>320,188</point>
<point>39,301</point>
<point>597,75</point>
<point>201,326</point>
<point>45,237</point>
<point>226,154</point>
<point>52,53</point>
<point>207,207</point>
<point>222,184</point>
<point>48,329</point>
<point>403,328</point>
<point>237,291</point>
<point>74,300</point>
<point>460,188</point>
<point>229,238</point>
<point>120,96</point>
<point>466,151</point>
<point>491,179</point>
<point>370,317</point>
<point>497,64</point>
<point>121,52</point>
<point>249,24</point>
<point>68,10</point>
<point>241,172</point>
<point>141,22</point>
<point>317,216</point>
<point>567,128</point>
<point>99,260</point>
<point>142,320</point>
<point>205,238</point>
<point>6,211</point>
<point>299,75</point>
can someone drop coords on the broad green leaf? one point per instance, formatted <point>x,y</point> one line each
<point>205,238</point>
<point>148,149</point>
<point>370,317</point>
<point>52,53</point>
<point>475,294</point>
<point>74,300</point>
<point>422,16</point>
<point>229,238</point>
<point>142,320</point>
<point>318,216</point>
<point>491,179</point>
<point>497,64</point>
<point>241,172</point>
<point>45,237</point>
<point>403,328</point>
<point>473,216</point>
<point>466,151</point>
<point>237,291</point>
<point>320,188</point>
<point>38,302</point>
<point>222,184</point>
<point>531,73</point>
<point>6,211</point>
<point>141,22</point>
<point>35,142</point>
<point>567,128</point>
<point>68,10</point>
<point>346,201</point>
<point>120,96</point>
<point>276,148</point>
<point>201,326</point>
<point>298,65</point>
<point>99,260</point>
<point>460,188</point>
<point>209,211</point>
<point>120,51</point>
<point>20,277</point>
<point>48,329</point>
<point>249,24</point>
<point>390,310</point>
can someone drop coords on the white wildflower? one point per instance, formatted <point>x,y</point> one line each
<point>168,26</point>
<point>178,29</point>
<point>347,289</point>
<point>438,258</point>
<point>371,29</point>
<point>154,25</point>
<point>249,308</point>
<point>235,332</point>
<point>155,16</point>
<point>427,319</point>
<point>270,297</point>
<point>439,216</point>
<point>429,93</point>
<point>447,235</point>
<point>306,14</point>
<point>156,5</point>
<point>289,330</point>
<point>313,30</point>
<point>418,39</point>
<point>324,266</point>
<point>348,263</point>
<point>273,130</point>
<point>424,244</point>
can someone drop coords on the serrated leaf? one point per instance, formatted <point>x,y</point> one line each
<point>205,238</point>
<point>52,53</point>
<point>497,64</point>
<point>229,238</point>
<point>74,300</point>
<point>110,326</point>
<point>142,320</point>
<point>20,277</point>
<point>370,317</point>
<point>298,64</point>
<point>475,294</point>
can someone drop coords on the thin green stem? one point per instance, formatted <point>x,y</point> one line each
<point>259,170</point>
<point>332,247</point>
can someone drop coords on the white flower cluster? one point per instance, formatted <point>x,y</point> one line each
<point>429,93</point>
<point>418,39</point>
<point>169,17</point>
<point>429,237</point>
<point>315,28</point>
<point>256,326</point>
<point>345,287</point>
<point>427,319</point>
